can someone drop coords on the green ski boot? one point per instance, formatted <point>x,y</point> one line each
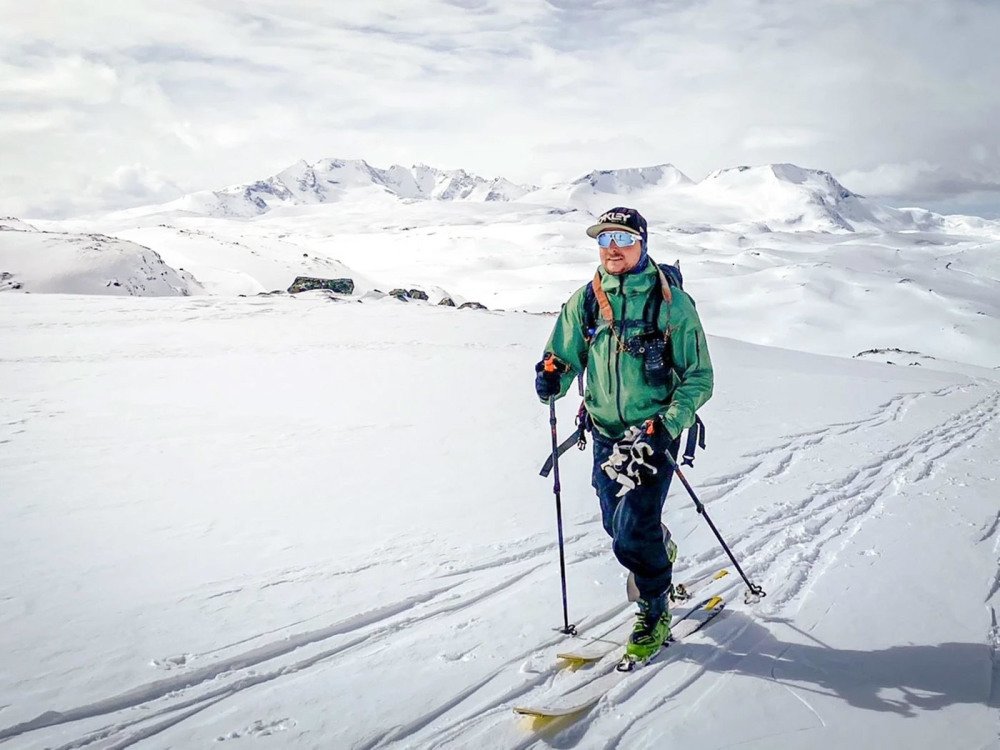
<point>650,632</point>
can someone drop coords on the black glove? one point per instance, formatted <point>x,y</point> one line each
<point>548,377</point>
<point>629,462</point>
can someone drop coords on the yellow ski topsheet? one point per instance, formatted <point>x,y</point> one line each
<point>590,651</point>
<point>585,696</point>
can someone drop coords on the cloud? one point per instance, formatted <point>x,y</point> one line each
<point>133,185</point>
<point>32,121</point>
<point>69,79</point>
<point>923,179</point>
<point>125,187</point>
<point>764,138</point>
<point>211,94</point>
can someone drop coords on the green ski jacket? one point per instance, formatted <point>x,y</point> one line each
<point>617,395</point>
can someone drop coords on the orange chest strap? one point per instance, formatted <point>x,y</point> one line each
<point>604,304</point>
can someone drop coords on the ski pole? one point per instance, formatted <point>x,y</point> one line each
<point>567,629</point>
<point>754,592</point>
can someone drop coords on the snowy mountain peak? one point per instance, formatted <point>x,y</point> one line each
<point>794,196</point>
<point>631,179</point>
<point>787,173</point>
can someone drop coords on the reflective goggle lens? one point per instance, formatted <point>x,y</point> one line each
<point>622,239</point>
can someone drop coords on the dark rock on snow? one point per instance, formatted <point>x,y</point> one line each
<point>307,283</point>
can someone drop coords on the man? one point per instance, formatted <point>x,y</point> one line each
<point>641,343</point>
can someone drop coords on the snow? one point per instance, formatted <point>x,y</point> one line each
<point>60,262</point>
<point>316,520</point>
<point>9,223</point>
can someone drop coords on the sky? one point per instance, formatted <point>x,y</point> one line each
<point>115,104</point>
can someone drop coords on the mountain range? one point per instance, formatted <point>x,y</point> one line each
<point>332,180</point>
<point>782,197</point>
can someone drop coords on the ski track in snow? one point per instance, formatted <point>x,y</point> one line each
<point>834,516</point>
<point>793,541</point>
<point>836,511</point>
<point>159,698</point>
<point>776,460</point>
<point>797,541</point>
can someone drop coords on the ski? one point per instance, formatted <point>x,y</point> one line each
<point>585,696</point>
<point>597,647</point>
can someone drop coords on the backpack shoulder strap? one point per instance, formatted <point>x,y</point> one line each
<point>596,303</point>
<point>670,277</point>
<point>603,303</point>
<point>589,312</point>
<point>672,272</point>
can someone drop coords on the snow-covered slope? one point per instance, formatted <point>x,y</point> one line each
<point>299,522</point>
<point>62,263</point>
<point>251,263</point>
<point>12,223</point>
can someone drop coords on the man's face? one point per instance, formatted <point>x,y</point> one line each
<point>618,260</point>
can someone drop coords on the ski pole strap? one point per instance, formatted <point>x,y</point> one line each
<point>577,438</point>
<point>564,446</point>
<point>696,439</point>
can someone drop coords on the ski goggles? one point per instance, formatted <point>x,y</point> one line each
<point>621,239</point>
